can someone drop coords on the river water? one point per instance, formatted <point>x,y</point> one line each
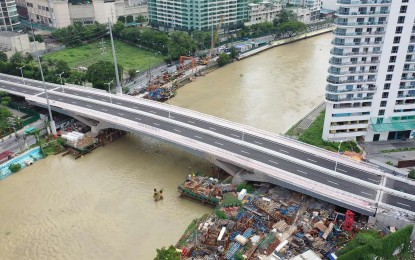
<point>101,207</point>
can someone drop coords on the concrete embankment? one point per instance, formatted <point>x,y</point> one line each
<point>284,41</point>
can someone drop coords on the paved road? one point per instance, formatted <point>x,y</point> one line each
<point>236,148</point>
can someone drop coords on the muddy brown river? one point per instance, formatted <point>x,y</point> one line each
<point>101,206</point>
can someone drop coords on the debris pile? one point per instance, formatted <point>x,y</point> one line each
<point>271,220</point>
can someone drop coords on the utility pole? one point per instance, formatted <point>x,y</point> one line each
<point>21,71</point>
<point>103,48</point>
<point>12,122</point>
<point>109,89</point>
<point>52,122</point>
<point>119,89</point>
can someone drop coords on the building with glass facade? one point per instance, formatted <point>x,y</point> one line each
<point>9,18</point>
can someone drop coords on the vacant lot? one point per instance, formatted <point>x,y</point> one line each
<point>128,56</point>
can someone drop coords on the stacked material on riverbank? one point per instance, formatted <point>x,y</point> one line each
<point>271,220</point>
<point>207,191</point>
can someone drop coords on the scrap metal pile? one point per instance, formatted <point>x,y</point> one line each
<point>272,220</point>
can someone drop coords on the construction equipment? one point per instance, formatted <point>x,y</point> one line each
<point>183,65</point>
<point>215,39</point>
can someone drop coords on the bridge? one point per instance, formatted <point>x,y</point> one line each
<point>247,153</point>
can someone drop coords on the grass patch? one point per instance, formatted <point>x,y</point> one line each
<point>128,56</point>
<point>313,136</point>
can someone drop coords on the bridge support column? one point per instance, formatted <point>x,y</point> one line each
<point>96,126</point>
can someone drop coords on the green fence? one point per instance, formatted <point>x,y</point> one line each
<point>30,117</point>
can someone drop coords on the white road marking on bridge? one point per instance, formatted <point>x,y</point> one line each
<point>198,137</point>
<point>284,151</point>
<point>60,99</point>
<point>366,193</point>
<point>118,103</point>
<point>302,172</point>
<point>258,142</point>
<point>190,122</point>
<point>151,111</point>
<point>177,130</point>
<point>139,119</point>
<point>341,170</point>
<point>272,162</point>
<point>24,91</point>
<point>135,107</point>
<point>156,124</point>
<point>74,102</point>
<point>172,117</point>
<point>103,109</point>
<point>88,105</point>
<point>406,205</point>
<point>235,135</point>
<point>212,128</point>
<point>333,182</point>
<point>103,99</point>
<point>244,152</point>
<point>311,160</point>
<point>121,114</point>
<point>89,96</point>
<point>218,143</point>
<point>13,89</point>
<point>376,181</point>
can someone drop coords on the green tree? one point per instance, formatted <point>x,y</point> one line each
<point>28,57</point>
<point>202,39</point>
<point>129,19</point>
<point>17,58</point>
<point>411,174</point>
<point>5,99</point>
<point>121,19</point>
<point>292,28</point>
<point>233,53</point>
<point>15,167</point>
<point>167,254</point>
<point>62,66</point>
<point>141,19</point>
<point>117,28</point>
<point>100,73</point>
<point>180,44</point>
<point>285,16</point>
<point>223,59</point>
<point>3,57</point>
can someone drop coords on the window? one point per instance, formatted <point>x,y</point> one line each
<point>401,19</point>
<point>381,112</point>
<point>388,77</point>
<point>385,94</point>
<point>391,68</point>
<point>392,59</point>
<point>396,39</point>
<point>386,86</point>
<point>395,49</point>
<point>403,9</point>
<point>383,103</point>
<point>404,1</point>
<point>398,29</point>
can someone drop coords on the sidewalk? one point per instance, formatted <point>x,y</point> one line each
<point>305,122</point>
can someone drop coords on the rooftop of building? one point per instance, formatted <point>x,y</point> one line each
<point>326,11</point>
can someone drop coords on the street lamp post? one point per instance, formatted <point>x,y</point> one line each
<point>52,122</point>
<point>338,154</point>
<point>109,89</point>
<point>60,76</point>
<point>21,71</point>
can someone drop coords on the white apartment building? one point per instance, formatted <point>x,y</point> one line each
<point>60,13</point>
<point>371,83</point>
<point>310,8</point>
<point>264,11</point>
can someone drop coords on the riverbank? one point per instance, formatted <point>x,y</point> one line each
<point>284,41</point>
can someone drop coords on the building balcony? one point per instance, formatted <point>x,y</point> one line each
<point>331,61</point>
<point>334,89</point>
<point>337,99</point>
<point>408,69</point>
<point>405,95</point>
<point>361,13</point>
<point>410,60</point>
<point>337,43</point>
<point>336,81</point>
<point>338,33</point>
<point>334,53</point>
<point>389,124</point>
<point>408,78</point>
<point>335,72</point>
<point>407,87</point>
<point>348,126</point>
<point>363,2</point>
<point>337,22</point>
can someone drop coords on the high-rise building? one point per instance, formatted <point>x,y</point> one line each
<point>9,18</point>
<point>371,83</point>
<point>197,14</point>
